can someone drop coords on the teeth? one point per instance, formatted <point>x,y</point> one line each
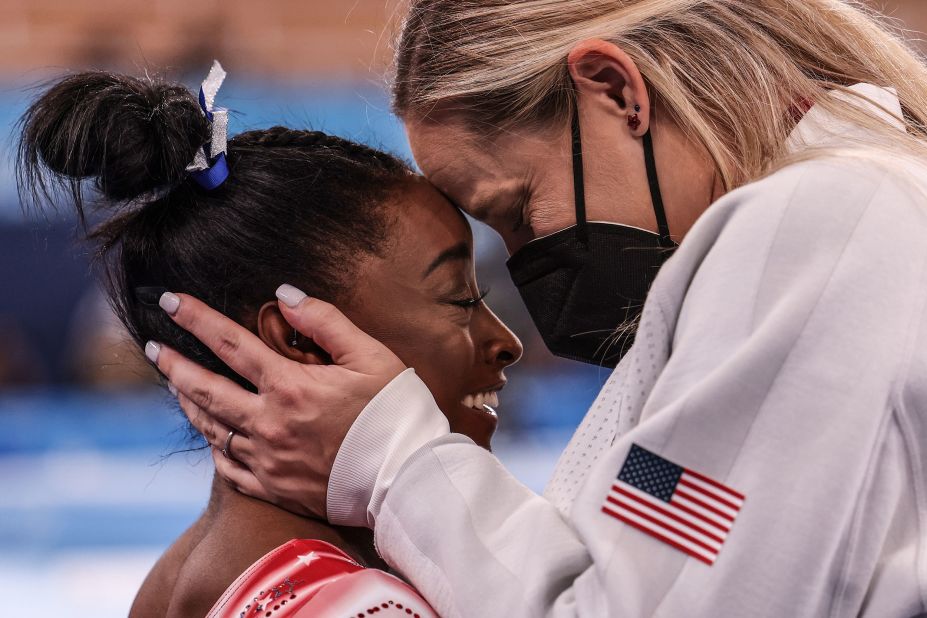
<point>485,401</point>
<point>490,411</point>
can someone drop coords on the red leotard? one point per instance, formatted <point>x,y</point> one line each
<point>313,578</point>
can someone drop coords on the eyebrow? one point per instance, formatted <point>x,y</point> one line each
<point>459,251</point>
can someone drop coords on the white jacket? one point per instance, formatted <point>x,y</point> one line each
<point>782,354</point>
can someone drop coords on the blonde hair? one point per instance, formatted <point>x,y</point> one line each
<point>725,71</point>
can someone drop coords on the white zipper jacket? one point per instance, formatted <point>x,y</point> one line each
<point>760,451</point>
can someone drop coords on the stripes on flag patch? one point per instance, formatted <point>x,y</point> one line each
<point>678,506</point>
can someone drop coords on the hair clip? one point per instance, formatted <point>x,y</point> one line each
<point>209,168</point>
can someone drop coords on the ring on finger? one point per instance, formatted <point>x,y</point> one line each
<point>226,450</point>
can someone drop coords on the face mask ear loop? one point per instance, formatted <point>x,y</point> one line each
<point>579,191</point>
<point>655,195</point>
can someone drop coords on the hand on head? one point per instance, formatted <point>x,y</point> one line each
<point>268,454</point>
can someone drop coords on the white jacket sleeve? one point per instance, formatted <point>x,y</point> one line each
<point>458,520</point>
<point>789,315</point>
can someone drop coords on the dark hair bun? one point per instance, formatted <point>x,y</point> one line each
<point>132,135</point>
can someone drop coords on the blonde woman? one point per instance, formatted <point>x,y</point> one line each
<point>760,448</point>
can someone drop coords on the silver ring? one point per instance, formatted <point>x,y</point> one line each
<point>228,443</point>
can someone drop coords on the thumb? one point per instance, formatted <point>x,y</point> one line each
<point>332,331</point>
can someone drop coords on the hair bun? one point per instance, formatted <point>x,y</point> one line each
<point>132,135</point>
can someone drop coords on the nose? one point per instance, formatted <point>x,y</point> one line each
<point>501,348</point>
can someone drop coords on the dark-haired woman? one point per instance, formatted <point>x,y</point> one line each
<point>350,224</point>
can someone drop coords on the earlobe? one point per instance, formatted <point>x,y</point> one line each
<point>276,332</point>
<point>602,71</point>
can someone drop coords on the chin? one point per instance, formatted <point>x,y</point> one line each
<point>478,425</point>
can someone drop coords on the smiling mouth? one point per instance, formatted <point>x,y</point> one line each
<point>483,401</point>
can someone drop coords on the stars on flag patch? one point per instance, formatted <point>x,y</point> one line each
<point>680,507</point>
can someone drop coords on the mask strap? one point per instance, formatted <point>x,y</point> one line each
<point>655,195</point>
<point>579,190</point>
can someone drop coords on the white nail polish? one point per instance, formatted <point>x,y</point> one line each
<point>172,389</point>
<point>152,351</point>
<point>289,295</point>
<point>169,302</point>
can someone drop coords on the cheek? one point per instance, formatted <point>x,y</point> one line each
<point>551,209</point>
<point>443,354</point>
<point>445,363</point>
<point>439,349</point>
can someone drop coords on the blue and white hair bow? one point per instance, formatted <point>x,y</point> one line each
<point>209,168</point>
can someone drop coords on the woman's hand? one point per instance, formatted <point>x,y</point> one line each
<point>287,435</point>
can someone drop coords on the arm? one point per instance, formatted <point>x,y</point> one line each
<point>447,514</point>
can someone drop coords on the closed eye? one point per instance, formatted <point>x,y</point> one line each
<point>469,303</point>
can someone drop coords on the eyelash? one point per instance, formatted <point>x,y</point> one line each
<point>470,303</point>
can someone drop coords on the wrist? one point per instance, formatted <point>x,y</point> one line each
<point>398,421</point>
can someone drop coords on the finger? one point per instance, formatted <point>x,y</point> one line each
<point>326,325</point>
<point>212,430</point>
<point>241,447</point>
<point>217,396</point>
<point>239,476</point>
<point>238,347</point>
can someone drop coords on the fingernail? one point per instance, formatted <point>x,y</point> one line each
<point>169,302</point>
<point>289,295</point>
<point>172,389</point>
<point>152,351</point>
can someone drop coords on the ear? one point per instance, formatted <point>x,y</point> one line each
<point>604,74</point>
<point>276,332</point>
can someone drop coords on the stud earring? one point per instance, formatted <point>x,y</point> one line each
<point>295,340</point>
<point>633,120</point>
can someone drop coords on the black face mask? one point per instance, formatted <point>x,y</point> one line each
<point>585,286</point>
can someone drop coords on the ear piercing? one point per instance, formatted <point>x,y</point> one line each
<point>295,340</point>
<point>633,120</point>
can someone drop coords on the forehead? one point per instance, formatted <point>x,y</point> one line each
<point>471,170</point>
<point>425,223</point>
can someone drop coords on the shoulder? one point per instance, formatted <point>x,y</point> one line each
<point>154,595</point>
<point>209,570</point>
<point>829,250</point>
<point>313,578</point>
<point>809,218</point>
<point>283,577</point>
<point>242,534</point>
<point>834,198</point>
<point>369,591</point>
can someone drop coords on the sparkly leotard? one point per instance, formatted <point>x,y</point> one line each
<point>313,578</point>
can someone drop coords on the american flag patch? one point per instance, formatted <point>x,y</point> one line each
<point>678,506</point>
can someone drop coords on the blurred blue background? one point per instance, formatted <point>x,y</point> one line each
<point>94,479</point>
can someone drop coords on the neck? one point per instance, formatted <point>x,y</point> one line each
<point>689,180</point>
<point>227,503</point>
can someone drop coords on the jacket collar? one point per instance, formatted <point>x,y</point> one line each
<point>818,128</point>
